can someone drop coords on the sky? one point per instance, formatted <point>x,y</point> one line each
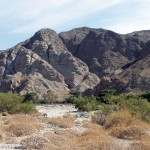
<point>20,19</point>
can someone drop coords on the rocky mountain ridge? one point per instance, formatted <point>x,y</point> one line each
<point>78,60</point>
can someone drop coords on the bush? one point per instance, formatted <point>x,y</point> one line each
<point>13,103</point>
<point>146,95</point>
<point>65,122</point>
<point>22,125</point>
<point>31,97</point>
<point>86,103</point>
<point>139,107</point>
<point>34,142</point>
<point>136,105</point>
<point>129,133</point>
<point>105,94</point>
<point>119,118</point>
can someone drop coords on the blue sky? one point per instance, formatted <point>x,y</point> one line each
<point>20,19</point>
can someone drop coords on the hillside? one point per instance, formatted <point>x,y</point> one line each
<point>77,60</point>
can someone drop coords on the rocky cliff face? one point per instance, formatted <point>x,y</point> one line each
<point>109,55</point>
<point>77,60</point>
<point>42,63</point>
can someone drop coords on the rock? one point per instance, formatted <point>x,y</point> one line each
<point>109,54</point>
<point>83,59</point>
<point>43,63</point>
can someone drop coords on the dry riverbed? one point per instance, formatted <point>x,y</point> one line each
<point>59,127</point>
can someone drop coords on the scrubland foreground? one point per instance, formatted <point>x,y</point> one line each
<point>109,121</point>
<point>121,131</point>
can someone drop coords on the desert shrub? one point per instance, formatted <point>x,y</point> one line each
<point>76,94</point>
<point>139,107</point>
<point>13,103</point>
<point>20,129</point>
<point>136,105</point>
<point>31,97</point>
<point>99,118</point>
<point>129,133</point>
<point>119,118</point>
<point>21,125</point>
<point>104,95</point>
<point>140,145</point>
<point>27,108</point>
<point>86,103</point>
<point>146,95</point>
<point>95,137</point>
<point>34,142</point>
<point>65,122</point>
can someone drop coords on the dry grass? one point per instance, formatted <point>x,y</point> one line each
<point>2,133</point>
<point>95,137</point>
<point>61,139</point>
<point>34,143</point>
<point>118,125</point>
<point>140,145</point>
<point>123,125</point>
<point>123,118</point>
<point>65,122</point>
<point>22,125</point>
<point>119,118</point>
<point>128,133</point>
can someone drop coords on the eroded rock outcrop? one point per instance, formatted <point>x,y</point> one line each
<point>77,60</point>
<point>42,63</point>
<point>109,54</point>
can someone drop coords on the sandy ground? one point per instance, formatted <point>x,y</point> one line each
<point>10,147</point>
<point>60,110</point>
<point>56,110</point>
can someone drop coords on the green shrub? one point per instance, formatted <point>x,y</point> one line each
<point>105,94</point>
<point>31,97</point>
<point>146,95</point>
<point>139,107</point>
<point>13,103</point>
<point>85,103</point>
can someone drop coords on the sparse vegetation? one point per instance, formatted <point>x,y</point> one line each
<point>21,125</point>
<point>85,103</point>
<point>13,103</point>
<point>34,142</point>
<point>146,95</point>
<point>109,101</point>
<point>115,117</point>
<point>31,97</point>
<point>65,122</point>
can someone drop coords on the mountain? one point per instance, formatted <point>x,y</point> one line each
<point>42,63</point>
<point>82,59</point>
<point>118,60</point>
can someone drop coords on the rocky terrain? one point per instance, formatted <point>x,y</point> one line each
<point>83,59</point>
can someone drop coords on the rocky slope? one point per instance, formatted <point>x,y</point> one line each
<point>110,56</point>
<point>77,60</point>
<point>42,63</point>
